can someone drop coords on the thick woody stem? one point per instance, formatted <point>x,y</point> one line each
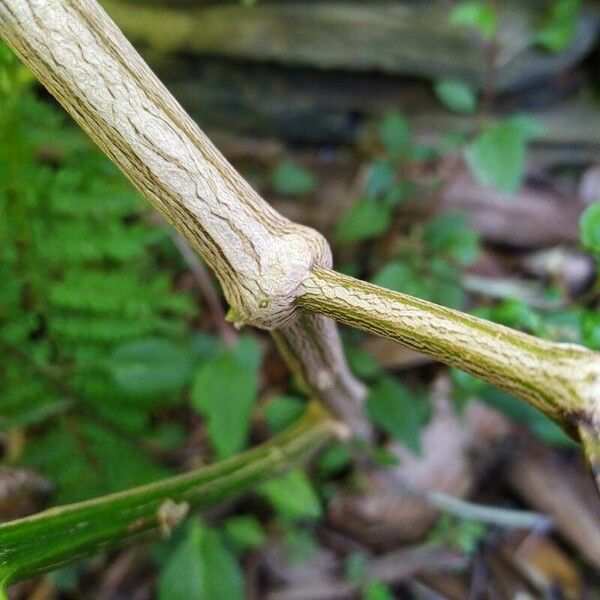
<point>561,380</point>
<point>259,257</point>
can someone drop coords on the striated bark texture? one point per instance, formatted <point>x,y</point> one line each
<point>271,269</point>
<point>259,257</point>
<point>561,380</point>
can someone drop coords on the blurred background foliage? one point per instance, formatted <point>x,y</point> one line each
<point>451,152</point>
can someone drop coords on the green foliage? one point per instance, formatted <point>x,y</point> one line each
<point>429,265</point>
<point>456,95</point>
<point>589,228</point>
<point>366,220</point>
<point>282,411</point>
<point>202,567</point>
<point>497,156</point>
<point>244,532</point>
<point>397,412</point>
<point>477,15</point>
<point>376,590</point>
<point>464,535</point>
<point>83,286</point>
<point>559,26</point>
<point>224,391</point>
<point>151,366</point>
<point>292,496</point>
<point>394,133</point>
<point>291,179</point>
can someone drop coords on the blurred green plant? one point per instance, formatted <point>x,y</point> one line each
<point>92,333</point>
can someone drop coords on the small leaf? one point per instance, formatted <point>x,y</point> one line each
<point>456,95</point>
<point>202,568</point>
<point>291,179</point>
<point>396,411</point>
<point>497,157</point>
<point>478,15</point>
<point>292,496</point>
<point>394,133</point>
<point>401,277</point>
<point>334,459</point>
<point>557,33</point>
<point>381,179</point>
<point>151,366</point>
<point>224,391</point>
<point>589,227</point>
<point>282,411</point>
<point>245,532</point>
<point>376,590</point>
<point>366,220</point>
<point>449,234</point>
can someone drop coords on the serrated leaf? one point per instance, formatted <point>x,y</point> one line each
<point>392,408</point>
<point>201,568</point>
<point>224,391</point>
<point>292,496</point>
<point>366,220</point>
<point>456,95</point>
<point>152,366</point>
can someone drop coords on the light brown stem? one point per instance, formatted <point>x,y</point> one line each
<point>561,380</point>
<point>259,257</point>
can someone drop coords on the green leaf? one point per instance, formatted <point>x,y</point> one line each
<point>589,227</point>
<point>86,459</point>
<point>392,408</point>
<point>292,496</point>
<point>559,28</point>
<point>224,390</point>
<point>381,179</point>
<point>376,590</point>
<point>282,411</point>
<point>478,15</point>
<point>202,568</point>
<point>456,95</point>
<point>401,277</point>
<point>245,532</point>
<point>291,179</point>
<point>152,366</point>
<point>450,234</point>
<point>366,220</point>
<point>394,133</point>
<point>497,157</point>
<point>334,459</point>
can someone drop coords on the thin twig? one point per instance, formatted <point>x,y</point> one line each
<point>205,283</point>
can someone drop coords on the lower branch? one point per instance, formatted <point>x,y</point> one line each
<point>66,534</point>
<point>561,380</point>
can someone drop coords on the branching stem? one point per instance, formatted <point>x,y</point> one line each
<point>561,380</point>
<point>66,534</point>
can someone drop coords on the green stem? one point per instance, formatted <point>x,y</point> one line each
<point>561,380</point>
<point>66,534</point>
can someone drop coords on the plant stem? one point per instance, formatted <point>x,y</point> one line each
<point>66,534</point>
<point>259,257</point>
<point>561,380</point>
